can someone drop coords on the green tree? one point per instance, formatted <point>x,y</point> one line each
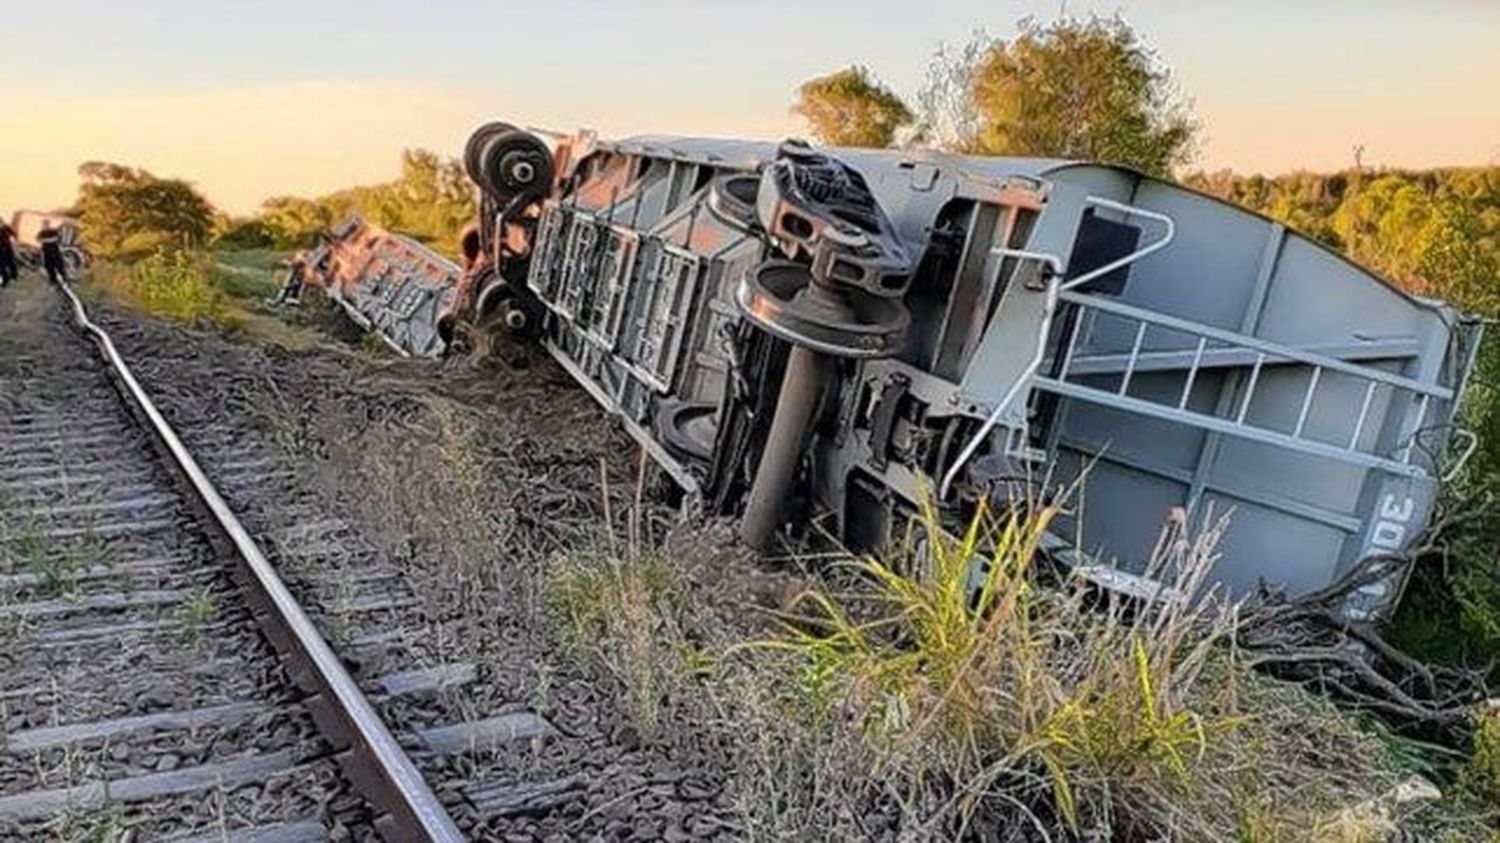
<point>1453,256</point>
<point>295,221</point>
<point>431,201</point>
<point>128,211</point>
<point>1459,256</point>
<point>1385,225</point>
<point>245,234</point>
<point>851,108</point>
<point>1072,88</point>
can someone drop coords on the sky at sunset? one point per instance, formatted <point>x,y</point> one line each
<point>254,99</point>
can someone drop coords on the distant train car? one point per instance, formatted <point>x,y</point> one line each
<point>798,333</point>
<point>27,224</point>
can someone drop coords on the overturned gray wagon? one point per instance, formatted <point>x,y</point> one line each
<point>795,332</point>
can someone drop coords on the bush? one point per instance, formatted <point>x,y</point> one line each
<point>250,274</point>
<point>1476,543</point>
<point>1482,776</point>
<point>171,284</point>
<point>247,234</point>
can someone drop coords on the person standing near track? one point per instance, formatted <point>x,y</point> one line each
<point>8,270</point>
<point>50,241</point>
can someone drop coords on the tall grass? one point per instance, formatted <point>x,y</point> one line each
<point>623,610</point>
<point>959,667</point>
<point>957,686</point>
<point>174,284</point>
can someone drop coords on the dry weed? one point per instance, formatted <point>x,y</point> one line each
<point>958,695</point>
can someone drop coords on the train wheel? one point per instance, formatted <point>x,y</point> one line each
<point>474,148</point>
<point>513,164</point>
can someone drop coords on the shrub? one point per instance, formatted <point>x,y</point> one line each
<point>251,274</point>
<point>1482,775</point>
<point>171,284</point>
<point>247,234</point>
<point>1477,543</point>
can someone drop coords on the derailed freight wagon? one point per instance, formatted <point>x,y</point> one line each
<point>795,332</point>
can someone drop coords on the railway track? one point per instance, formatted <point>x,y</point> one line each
<point>516,744</point>
<point>160,679</point>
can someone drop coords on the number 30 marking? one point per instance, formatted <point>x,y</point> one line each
<point>1390,530</point>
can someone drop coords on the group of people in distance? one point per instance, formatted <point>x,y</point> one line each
<point>48,240</point>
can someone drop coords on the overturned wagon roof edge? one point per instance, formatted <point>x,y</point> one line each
<point>750,154</point>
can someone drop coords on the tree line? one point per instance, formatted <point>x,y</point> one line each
<point>128,213</point>
<point>1086,88</point>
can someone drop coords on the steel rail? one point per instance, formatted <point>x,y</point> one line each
<point>377,764</point>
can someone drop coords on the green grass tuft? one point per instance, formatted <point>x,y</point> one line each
<point>624,612</point>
